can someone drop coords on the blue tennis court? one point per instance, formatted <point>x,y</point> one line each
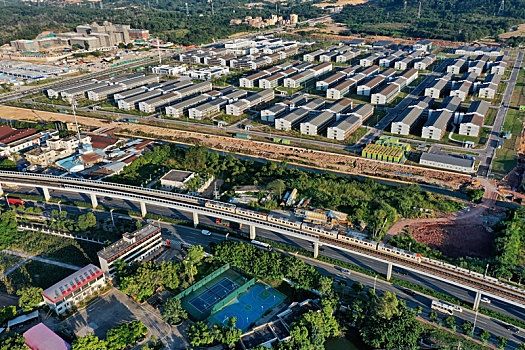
<point>214,294</point>
<point>250,306</point>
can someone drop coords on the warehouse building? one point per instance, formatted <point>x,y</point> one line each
<point>129,93</point>
<point>156,103</point>
<point>207,109</point>
<point>132,102</point>
<point>464,165</point>
<point>292,119</point>
<point>177,110</point>
<point>135,246</point>
<point>317,124</point>
<point>55,91</point>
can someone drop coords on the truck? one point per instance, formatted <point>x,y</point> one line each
<point>228,223</point>
<point>242,136</point>
<point>15,201</point>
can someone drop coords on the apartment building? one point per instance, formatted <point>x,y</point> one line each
<point>438,86</point>
<point>290,120</point>
<point>207,109</point>
<point>472,122</point>
<point>490,86</point>
<point>177,110</point>
<point>335,78</point>
<point>436,125</point>
<point>251,80</point>
<point>424,63</point>
<point>272,81</point>
<point>135,246</point>
<point>461,90</point>
<point>385,95</point>
<point>457,66</point>
<point>238,108</point>
<point>340,90</point>
<point>343,128</point>
<point>408,119</point>
<point>366,88</point>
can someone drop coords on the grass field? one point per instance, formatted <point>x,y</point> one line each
<point>33,273</point>
<point>506,156</point>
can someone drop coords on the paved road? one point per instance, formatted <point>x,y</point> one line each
<point>38,258</point>
<point>371,264</point>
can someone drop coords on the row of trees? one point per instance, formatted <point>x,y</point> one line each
<point>117,338</point>
<point>272,266</point>
<point>141,280</point>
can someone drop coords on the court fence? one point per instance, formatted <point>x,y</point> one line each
<point>203,281</point>
<point>234,294</point>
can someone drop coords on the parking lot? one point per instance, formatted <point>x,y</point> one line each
<point>115,308</point>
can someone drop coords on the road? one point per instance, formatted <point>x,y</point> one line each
<point>377,266</point>
<point>194,237</point>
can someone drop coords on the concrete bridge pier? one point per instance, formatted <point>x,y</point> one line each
<point>316,250</point>
<point>47,196</point>
<point>252,232</point>
<point>143,209</point>
<point>389,272</point>
<point>195,219</point>
<point>94,202</point>
<point>1,190</point>
<point>477,300</point>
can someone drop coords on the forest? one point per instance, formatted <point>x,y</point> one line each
<point>166,19</point>
<point>456,20</point>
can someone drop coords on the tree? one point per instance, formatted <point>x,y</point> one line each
<point>12,341</point>
<point>432,316</point>
<point>419,309</point>
<point>8,227</point>
<point>7,313</point>
<point>195,255</point>
<point>467,328</point>
<point>30,298</point>
<point>89,342</point>
<point>231,334</point>
<point>521,346</point>
<point>357,287</point>
<point>126,334</point>
<point>277,187</point>
<point>172,311</point>
<point>502,342</point>
<point>325,285</point>
<point>450,322</point>
<point>200,334</point>
<point>86,221</point>
<point>7,163</point>
<point>484,335</point>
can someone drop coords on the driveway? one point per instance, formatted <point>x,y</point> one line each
<point>115,308</point>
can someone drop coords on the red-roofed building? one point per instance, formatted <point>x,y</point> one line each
<point>103,142</point>
<point>75,288</point>
<point>40,337</point>
<point>16,140</point>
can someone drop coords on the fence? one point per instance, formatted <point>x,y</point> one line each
<point>203,281</point>
<point>23,227</point>
<point>232,296</point>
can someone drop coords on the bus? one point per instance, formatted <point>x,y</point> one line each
<point>442,307</point>
<point>262,245</point>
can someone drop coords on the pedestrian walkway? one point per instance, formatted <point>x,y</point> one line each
<point>38,258</point>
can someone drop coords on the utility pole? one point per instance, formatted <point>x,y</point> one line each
<point>158,50</point>
<point>419,11</point>
<point>501,7</point>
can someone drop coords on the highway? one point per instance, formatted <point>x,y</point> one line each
<point>413,275</point>
<point>191,236</point>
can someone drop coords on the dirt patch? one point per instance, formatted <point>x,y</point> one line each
<point>341,3</point>
<point>455,240</point>
<point>518,32</point>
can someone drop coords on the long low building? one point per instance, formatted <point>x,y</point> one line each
<point>385,95</point>
<point>132,102</point>
<point>464,165</point>
<point>177,110</point>
<point>343,128</point>
<point>409,118</point>
<point>317,124</point>
<point>129,93</point>
<point>472,122</point>
<point>292,119</point>
<point>436,125</point>
<point>207,109</point>
<point>238,108</point>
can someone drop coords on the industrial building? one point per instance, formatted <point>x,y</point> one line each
<point>464,165</point>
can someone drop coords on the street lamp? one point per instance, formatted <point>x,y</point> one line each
<point>375,280</point>
<point>7,201</point>
<point>475,319</point>
<point>59,206</point>
<point>486,271</point>
<point>111,213</point>
<point>409,246</point>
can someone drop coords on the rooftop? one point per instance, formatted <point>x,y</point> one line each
<point>42,338</point>
<point>71,283</point>
<point>445,159</point>
<point>176,175</point>
<point>126,242</point>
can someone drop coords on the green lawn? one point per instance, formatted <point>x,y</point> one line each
<point>506,157</point>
